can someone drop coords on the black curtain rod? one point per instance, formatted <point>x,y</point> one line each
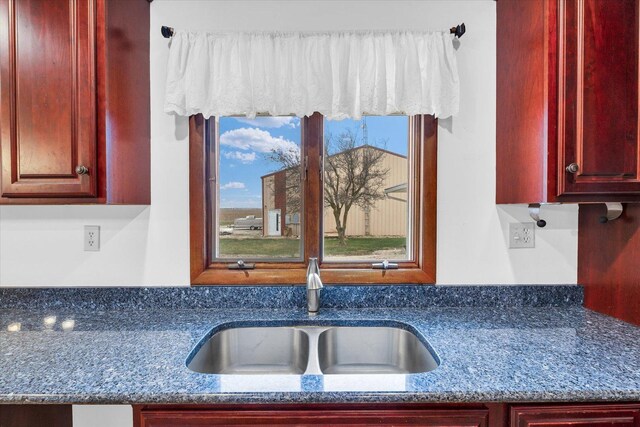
<point>458,30</point>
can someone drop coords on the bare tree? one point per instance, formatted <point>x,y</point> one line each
<point>353,176</point>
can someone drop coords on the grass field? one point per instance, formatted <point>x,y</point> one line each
<point>228,215</point>
<point>356,246</point>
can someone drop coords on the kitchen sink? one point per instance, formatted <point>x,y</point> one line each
<point>253,351</point>
<point>313,350</point>
<point>372,350</point>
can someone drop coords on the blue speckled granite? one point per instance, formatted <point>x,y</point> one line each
<point>526,353</point>
<point>411,296</point>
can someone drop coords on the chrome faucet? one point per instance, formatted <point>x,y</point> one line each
<point>314,286</point>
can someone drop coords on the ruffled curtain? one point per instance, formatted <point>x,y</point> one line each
<point>339,74</point>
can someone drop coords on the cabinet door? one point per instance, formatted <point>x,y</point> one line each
<point>47,98</point>
<point>20,415</point>
<point>598,97</point>
<point>576,416</point>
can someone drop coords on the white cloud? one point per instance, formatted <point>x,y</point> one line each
<point>271,122</point>
<point>239,155</point>
<point>257,140</point>
<point>233,185</point>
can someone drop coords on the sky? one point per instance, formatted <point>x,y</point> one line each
<point>246,143</point>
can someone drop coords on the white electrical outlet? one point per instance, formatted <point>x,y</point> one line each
<point>91,237</point>
<point>522,235</point>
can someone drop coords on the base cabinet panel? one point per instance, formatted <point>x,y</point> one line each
<point>384,414</point>
<point>21,415</point>
<point>311,417</point>
<point>576,416</point>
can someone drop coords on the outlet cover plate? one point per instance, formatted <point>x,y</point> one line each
<point>92,238</point>
<point>522,235</point>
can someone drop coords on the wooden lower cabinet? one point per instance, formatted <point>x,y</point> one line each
<point>576,416</point>
<point>462,415</point>
<point>316,415</point>
<point>21,415</point>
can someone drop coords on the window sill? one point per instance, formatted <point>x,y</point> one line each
<point>298,276</point>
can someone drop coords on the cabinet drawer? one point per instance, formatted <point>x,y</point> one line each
<point>312,417</point>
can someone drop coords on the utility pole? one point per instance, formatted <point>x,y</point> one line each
<point>367,209</point>
<point>365,131</point>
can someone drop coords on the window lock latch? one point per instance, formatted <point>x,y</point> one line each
<point>306,168</point>
<point>241,265</point>
<point>384,265</point>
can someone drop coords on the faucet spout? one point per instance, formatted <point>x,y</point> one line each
<point>314,286</point>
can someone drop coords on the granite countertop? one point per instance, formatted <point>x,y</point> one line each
<point>61,352</point>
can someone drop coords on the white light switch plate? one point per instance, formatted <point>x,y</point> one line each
<point>92,238</point>
<point>522,235</point>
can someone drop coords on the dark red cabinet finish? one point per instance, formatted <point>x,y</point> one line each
<point>386,414</point>
<point>74,101</point>
<point>308,415</point>
<point>598,96</point>
<point>23,415</point>
<point>47,97</point>
<point>576,416</point>
<point>609,261</point>
<point>567,101</point>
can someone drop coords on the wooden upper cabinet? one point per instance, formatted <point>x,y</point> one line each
<point>48,118</point>
<point>567,101</point>
<point>73,127</point>
<point>598,96</point>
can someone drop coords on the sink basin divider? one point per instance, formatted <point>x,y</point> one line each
<point>313,364</point>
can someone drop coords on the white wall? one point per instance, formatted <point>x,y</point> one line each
<point>102,416</point>
<point>42,246</point>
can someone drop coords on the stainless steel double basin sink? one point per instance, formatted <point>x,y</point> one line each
<point>312,350</point>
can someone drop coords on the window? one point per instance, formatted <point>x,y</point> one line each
<point>367,189</point>
<point>257,189</point>
<point>268,193</point>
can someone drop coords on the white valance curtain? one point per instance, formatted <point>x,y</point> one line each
<point>339,74</point>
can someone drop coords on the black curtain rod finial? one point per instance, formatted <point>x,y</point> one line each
<point>167,32</point>
<point>458,30</point>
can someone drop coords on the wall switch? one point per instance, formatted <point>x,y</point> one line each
<point>522,235</point>
<point>91,237</point>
